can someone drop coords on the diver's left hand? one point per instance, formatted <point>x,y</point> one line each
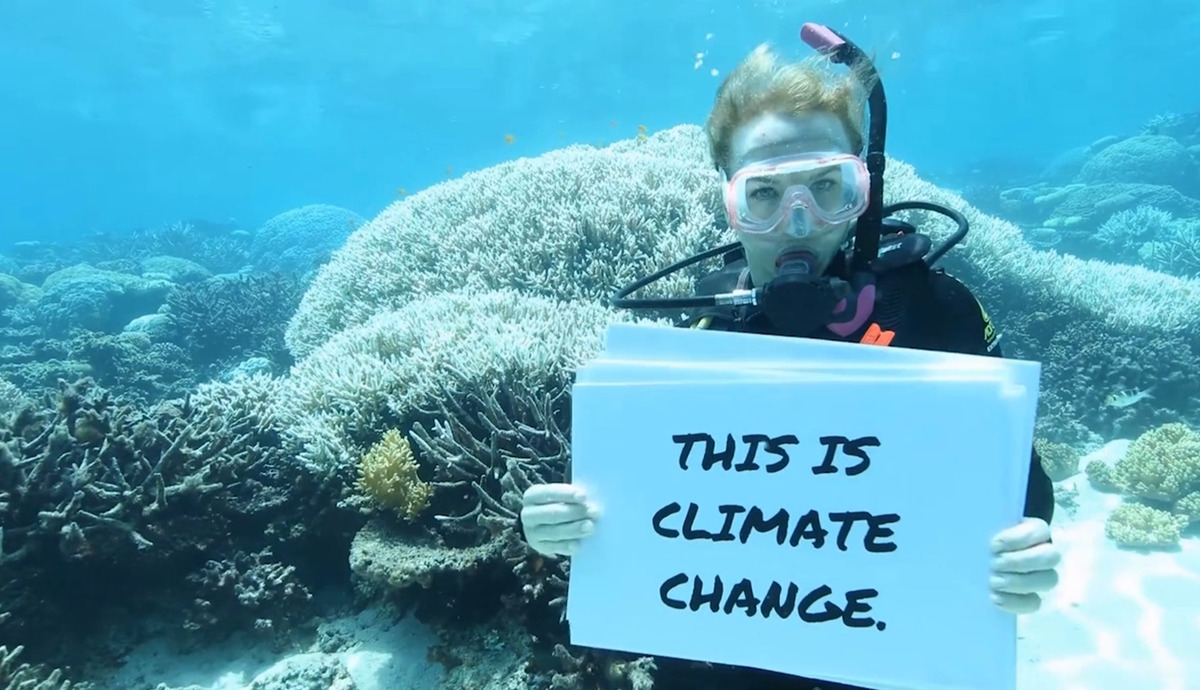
<point>1023,566</point>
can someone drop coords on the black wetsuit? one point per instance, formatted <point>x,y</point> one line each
<point>923,309</point>
<point>937,313</point>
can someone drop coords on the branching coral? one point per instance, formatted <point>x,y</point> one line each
<point>228,318</point>
<point>1176,252</point>
<point>384,373</point>
<point>93,485</point>
<point>573,224</point>
<point>387,473</point>
<point>21,676</point>
<point>481,382</point>
<point>90,479</point>
<point>247,590</point>
<point>11,397</point>
<point>488,449</point>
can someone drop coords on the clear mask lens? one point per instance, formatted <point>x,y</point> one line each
<point>804,191</point>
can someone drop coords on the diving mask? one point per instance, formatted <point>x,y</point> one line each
<point>800,192</point>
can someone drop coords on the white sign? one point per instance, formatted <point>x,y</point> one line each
<point>824,510</point>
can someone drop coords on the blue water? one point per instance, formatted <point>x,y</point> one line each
<point>127,114</point>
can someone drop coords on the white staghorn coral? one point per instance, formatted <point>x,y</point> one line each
<point>381,373</point>
<point>574,224</point>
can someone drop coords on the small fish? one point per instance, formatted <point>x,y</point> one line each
<point>509,139</point>
<point>1127,398</point>
<point>401,191</point>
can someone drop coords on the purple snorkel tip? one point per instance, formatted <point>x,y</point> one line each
<point>820,37</point>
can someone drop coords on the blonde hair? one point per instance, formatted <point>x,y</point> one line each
<point>764,83</point>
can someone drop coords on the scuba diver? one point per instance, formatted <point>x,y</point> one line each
<point>816,256</point>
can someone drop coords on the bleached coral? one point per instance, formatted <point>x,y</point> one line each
<point>11,397</point>
<point>1000,261</point>
<point>579,222</point>
<point>572,224</point>
<point>388,370</point>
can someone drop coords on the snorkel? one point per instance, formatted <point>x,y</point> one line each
<point>843,306</point>
<point>840,50</point>
<point>798,300</point>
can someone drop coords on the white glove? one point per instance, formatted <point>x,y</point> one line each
<point>556,517</point>
<point>1023,566</point>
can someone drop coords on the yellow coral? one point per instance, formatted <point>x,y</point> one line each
<point>1059,460</point>
<point>1163,464</point>
<point>1134,525</point>
<point>387,473</point>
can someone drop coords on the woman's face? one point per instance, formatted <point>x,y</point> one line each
<point>772,135</point>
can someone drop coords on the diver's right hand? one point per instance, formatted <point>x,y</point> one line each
<point>556,518</point>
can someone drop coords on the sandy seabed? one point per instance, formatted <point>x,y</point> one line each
<point>1119,619</point>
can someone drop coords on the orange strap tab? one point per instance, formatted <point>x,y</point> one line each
<point>877,336</point>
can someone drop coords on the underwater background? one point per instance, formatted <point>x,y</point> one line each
<point>291,294</point>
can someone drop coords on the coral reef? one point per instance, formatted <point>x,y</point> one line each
<point>85,297</point>
<point>483,397</point>
<point>577,224</point>
<point>1096,326</point>
<point>229,318</point>
<point>1143,159</point>
<point>14,676</point>
<point>247,591</point>
<point>1159,478</point>
<point>133,366</point>
<point>217,247</point>
<point>1130,199</point>
<point>301,239</point>
<point>432,388</point>
<point>100,501</point>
